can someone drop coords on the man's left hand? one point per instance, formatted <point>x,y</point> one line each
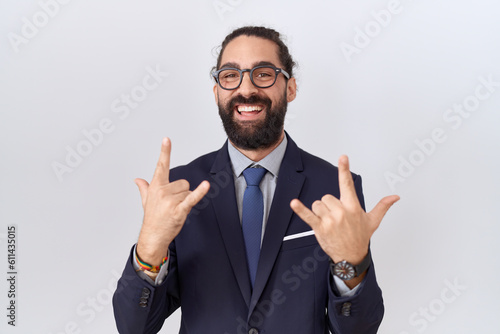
<point>342,228</point>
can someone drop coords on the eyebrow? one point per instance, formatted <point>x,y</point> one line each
<point>235,65</point>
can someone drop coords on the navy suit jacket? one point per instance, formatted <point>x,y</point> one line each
<point>208,276</point>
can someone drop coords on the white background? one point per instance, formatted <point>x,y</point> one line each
<point>75,232</point>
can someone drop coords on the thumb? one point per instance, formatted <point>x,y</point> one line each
<point>379,211</point>
<point>143,186</point>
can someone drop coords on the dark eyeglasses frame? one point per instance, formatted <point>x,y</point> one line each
<point>278,70</point>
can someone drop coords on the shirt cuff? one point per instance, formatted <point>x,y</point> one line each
<point>343,289</point>
<point>161,275</point>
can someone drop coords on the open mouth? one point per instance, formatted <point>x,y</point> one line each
<point>248,110</point>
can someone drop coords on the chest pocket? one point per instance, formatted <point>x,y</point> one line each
<point>300,242</point>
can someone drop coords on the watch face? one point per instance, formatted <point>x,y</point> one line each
<point>344,270</point>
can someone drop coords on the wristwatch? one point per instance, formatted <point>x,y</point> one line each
<point>346,271</point>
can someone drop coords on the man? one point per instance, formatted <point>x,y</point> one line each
<point>248,256</point>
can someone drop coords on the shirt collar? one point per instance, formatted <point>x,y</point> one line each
<point>271,162</point>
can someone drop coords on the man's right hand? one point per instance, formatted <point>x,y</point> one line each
<point>166,206</point>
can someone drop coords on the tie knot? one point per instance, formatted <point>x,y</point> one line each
<point>253,176</point>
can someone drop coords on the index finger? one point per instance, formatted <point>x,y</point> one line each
<point>346,184</point>
<point>162,170</point>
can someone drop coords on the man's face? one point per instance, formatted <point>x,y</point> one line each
<point>253,117</point>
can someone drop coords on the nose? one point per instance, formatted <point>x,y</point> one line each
<point>247,87</point>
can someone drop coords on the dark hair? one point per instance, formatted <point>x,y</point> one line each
<point>262,32</point>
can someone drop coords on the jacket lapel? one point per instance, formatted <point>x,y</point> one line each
<point>226,210</point>
<point>288,187</point>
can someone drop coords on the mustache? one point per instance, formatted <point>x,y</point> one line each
<point>250,100</point>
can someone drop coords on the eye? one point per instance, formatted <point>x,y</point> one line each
<point>263,75</point>
<point>229,75</point>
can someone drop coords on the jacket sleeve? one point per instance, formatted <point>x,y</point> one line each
<point>140,307</point>
<point>362,312</point>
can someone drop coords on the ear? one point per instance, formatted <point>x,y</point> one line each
<point>216,94</point>
<point>291,90</point>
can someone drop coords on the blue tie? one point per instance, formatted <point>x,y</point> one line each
<point>251,220</point>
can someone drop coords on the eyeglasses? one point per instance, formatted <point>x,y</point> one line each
<point>261,76</point>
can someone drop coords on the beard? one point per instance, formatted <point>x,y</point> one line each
<point>252,135</point>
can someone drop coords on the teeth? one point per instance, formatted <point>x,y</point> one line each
<point>249,108</point>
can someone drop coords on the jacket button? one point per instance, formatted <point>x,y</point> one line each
<point>253,331</point>
<point>346,309</point>
<point>145,292</point>
<point>143,304</point>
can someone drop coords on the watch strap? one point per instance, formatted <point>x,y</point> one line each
<point>365,264</point>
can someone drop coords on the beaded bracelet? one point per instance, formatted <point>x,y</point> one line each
<point>147,267</point>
